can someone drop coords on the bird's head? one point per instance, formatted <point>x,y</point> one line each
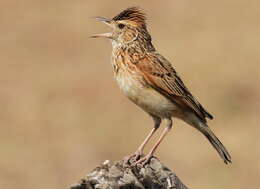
<point>127,26</point>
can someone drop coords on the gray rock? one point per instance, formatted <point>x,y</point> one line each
<point>118,176</point>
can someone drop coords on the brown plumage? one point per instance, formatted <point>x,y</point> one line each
<point>151,82</point>
<point>131,14</point>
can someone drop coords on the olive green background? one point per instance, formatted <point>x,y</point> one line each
<point>62,113</point>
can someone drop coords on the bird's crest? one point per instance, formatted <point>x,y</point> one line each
<point>134,14</point>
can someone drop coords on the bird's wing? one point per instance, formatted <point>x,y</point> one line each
<point>160,75</point>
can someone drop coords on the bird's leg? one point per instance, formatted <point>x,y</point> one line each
<point>139,151</point>
<point>147,158</point>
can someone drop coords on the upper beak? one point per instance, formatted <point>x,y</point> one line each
<point>107,22</point>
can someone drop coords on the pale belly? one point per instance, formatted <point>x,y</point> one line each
<point>147,98</point>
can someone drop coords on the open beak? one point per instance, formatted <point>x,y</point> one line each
<point>107,22</point>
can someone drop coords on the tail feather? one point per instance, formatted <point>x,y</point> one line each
<point>216,143</point>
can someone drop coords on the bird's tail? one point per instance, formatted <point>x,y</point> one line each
<point>216,143</point>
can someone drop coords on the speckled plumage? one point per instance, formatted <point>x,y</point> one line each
<point>150,81</point>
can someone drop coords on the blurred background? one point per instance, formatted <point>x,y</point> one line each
<point>62,113</point>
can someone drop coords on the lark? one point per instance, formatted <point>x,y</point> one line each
<point>150,81</point>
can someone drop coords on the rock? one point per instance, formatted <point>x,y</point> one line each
<point>118,176</point>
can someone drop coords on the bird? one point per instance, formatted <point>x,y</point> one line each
<point>150,81</point>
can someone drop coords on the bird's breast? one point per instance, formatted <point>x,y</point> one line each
<point>130,84</point>
<point>143,95</point>
<point>135,87</point>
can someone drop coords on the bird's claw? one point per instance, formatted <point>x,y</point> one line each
<point>132,158</point>
<point>143,161</point>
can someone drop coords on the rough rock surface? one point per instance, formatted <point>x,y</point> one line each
<point>117,176</point>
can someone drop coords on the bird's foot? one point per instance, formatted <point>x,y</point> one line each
<point>143,161</point>
<point>132,158</point>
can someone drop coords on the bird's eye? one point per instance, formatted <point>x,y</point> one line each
<point>121,26</point>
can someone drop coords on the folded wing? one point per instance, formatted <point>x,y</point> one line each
<point>160,75</point>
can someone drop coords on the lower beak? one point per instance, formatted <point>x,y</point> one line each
<point>107,22</point>
<point>105,35</point>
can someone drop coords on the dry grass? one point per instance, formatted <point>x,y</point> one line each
<point>62,113</point>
